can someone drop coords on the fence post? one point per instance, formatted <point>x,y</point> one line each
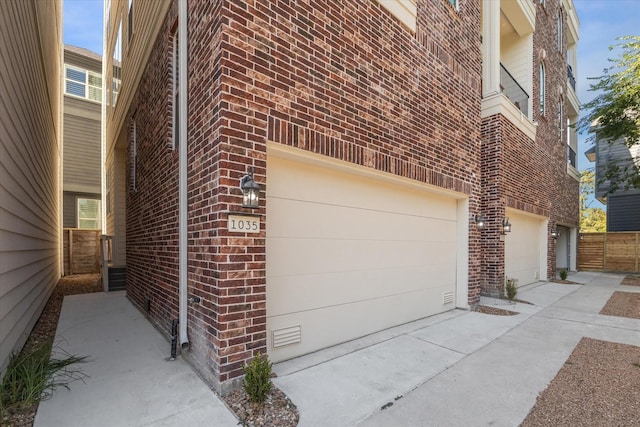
<point>70,251</point>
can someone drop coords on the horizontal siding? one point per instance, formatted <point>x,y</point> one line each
<point>611,153</point>
<point>81,151</point>
<point>29,165</point>
<point>623,212</point>
<point>78,60</point>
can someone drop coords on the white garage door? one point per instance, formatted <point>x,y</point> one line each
<point>525,253</point>
<point>349,255</point>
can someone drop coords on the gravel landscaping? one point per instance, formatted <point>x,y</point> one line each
<point>599,385</point>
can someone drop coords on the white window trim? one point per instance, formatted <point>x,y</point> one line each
<point>86,84</point>
<point>405,10</point>
<point>542,88</point>
<point>98,218</point>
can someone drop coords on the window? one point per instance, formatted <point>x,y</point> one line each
<point>89,213</point>
<point>542,88</point>
<point>176,91</point>
<point>133,154</point>
<point>83,83</point>
<point>561,121</point>
<point>108,183</point>
<point>117,64</point>
<point>560,24</point>
<point>130,23</point>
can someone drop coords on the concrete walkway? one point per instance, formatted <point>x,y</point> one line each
<point>131,382</point>
<point>459,368</point>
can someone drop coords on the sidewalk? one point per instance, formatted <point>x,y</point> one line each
<point>131,382</point>
<point>458,368</point>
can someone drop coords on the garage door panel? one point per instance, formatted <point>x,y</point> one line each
<point>314,256</point>
<point>345,249</point>
<point>348,321</point>
<point>310,292</point>
<point>294,218</point>
<point>303,182</point>
<point>522,248</point>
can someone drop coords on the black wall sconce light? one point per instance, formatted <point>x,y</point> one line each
<point>480,221</point>
<point>250,191</point>
<point>555,233</point>
<point>506,225</point>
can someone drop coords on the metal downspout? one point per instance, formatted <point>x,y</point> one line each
<point>182,190</point>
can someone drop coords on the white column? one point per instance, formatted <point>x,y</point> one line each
<point>490,47</point>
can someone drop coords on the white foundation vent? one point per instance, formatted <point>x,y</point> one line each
<point>447,298</point>
<point>287,336</point>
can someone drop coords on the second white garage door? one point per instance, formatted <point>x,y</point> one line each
<point>525,248</point>
<point>348,255</point>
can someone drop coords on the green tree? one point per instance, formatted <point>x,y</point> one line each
<point>615,111</point>
<point>592,220</point>
<point>587,188</point>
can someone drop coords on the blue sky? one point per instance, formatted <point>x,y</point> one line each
<point>601,21</point>
<point>83,24</point>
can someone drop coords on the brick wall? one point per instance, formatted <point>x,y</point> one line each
<point>341,79</point>
<point>528,175</point>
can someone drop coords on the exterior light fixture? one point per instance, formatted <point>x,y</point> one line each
<point>250,191</point>
<point>555,233</point>
<point>506,225</point>
<point>480,221</point>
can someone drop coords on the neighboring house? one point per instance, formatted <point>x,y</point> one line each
<point>30,165</point>
<point>379,133</point>
<point>623,205</point>
<point>82,138</point>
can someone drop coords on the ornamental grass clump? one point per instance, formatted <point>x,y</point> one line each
<point>34,375</point>
<point>257,378</point>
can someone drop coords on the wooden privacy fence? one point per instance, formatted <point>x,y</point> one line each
<point>615,251</point>
<point>81,251</point>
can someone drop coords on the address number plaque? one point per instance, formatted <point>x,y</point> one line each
<point>243,224</point>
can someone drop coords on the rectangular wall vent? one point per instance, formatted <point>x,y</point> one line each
<point>447,298</point>
<point>287,336</point>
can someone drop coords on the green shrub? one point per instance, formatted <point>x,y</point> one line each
<point>257,378</point>
<point>33,375</point>
<point>563,274</point>
<point>511,288</point>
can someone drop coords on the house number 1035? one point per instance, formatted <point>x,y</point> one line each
<point>243,224</point>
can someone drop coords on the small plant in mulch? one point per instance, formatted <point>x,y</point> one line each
<point>511,288</point>
<point>257,378</point>
<point>33,375</point>
<point>563,274</point>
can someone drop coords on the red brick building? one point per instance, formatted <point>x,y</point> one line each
<point>373,133</point>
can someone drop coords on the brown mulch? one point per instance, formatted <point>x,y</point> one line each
<point>599,385</point>
<point>623,304</point>
<point>493,310</point>
<point>45,329</point>
<point>631,280</point>
<point>565,282</point>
